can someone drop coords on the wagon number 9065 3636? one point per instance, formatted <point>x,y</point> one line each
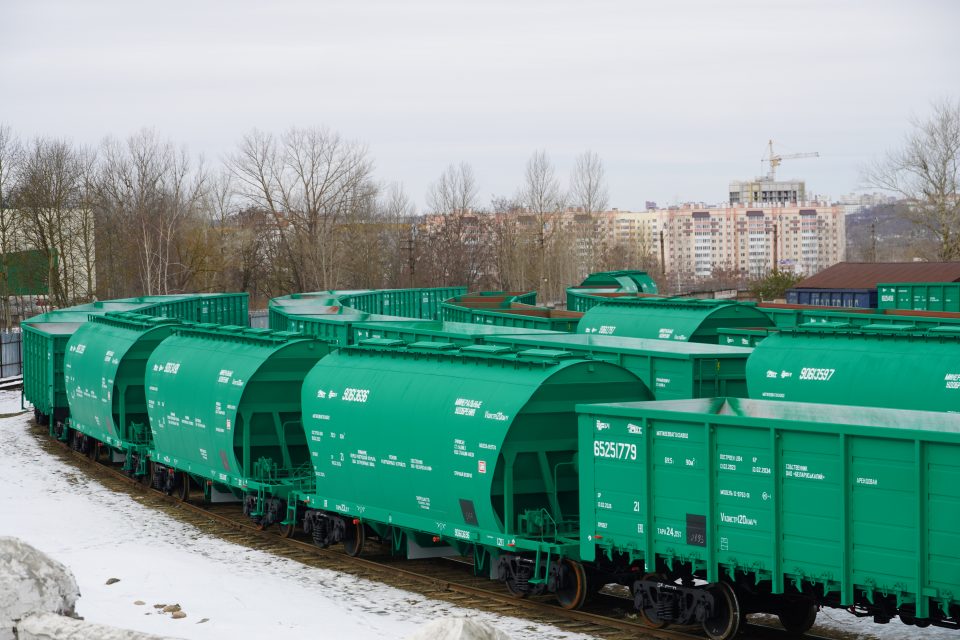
<point>618,450</point>
<point>813,373</point>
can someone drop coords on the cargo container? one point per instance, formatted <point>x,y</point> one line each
<point>779,507</point>
<point>246,440</point>
<point>470,453</point>
<point>459,333</point>
<point>513,315</point>
<point>104,367</point>
<point>678,319</point>
<point>881,366</point>
<point>856,298</point>
<point>669,370</point>
<point>920,296</point>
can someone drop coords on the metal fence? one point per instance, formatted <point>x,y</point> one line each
<point>11,354</point>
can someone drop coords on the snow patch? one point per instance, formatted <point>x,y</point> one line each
<point>458,629</point>
<point>32,582</point>
<point>47,626</point>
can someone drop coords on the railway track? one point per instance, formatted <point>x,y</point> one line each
<point>607,616</point>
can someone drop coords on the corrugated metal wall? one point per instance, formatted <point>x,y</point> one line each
<point>11,354</point>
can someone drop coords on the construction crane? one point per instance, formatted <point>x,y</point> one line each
<point>775,159</point>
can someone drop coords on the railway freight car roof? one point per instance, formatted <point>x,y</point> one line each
<point>670,319</point>
<point>592,342</point>
<point>736,410</point>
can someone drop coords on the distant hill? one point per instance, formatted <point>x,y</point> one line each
<point>881,234</point>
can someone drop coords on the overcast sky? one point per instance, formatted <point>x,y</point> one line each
<point>678,98</point>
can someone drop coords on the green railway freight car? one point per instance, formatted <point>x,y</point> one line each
<point>887,367</point>
<point>745,337</point>
<point>471,453</point>
<point>421,304</point>
<point>104,367</point>
<point>678,319</point>
<point>779,507</point>
<point>793,316</point>
<point>670,370</point>
<point>245,440</point>
<point>639,281</point>
<point>510,315</point>
<point>599,287</point>
<point>45,339</point>
<point>920,296</point>
<point>458,333</point>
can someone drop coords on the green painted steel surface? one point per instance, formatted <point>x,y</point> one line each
<point>44,337</point>
<point>743,337</point>
<point>467,445</point>
<point>249,380</point>
<point>920,296</point>
<point>513,315</point>
<point>405,303</point>
<point>792,317</point>
<point>670,370</point>
<point>104,369</point>
<point>331,315</point>
<point>459,333</point>
<point>679,319</point>
<point>623,280</point>
<point>879,368</point>
<point>857,502</point>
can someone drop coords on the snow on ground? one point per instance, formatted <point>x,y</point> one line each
<point>243,593</point>
<point>10,402</point>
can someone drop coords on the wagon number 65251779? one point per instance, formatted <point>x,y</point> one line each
<point>619,450</point>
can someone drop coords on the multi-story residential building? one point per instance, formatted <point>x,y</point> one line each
<point>700,240</point>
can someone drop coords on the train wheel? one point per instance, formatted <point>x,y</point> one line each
<point>514,588</point>
<point>287,530</point>
<point>147,478</point>
<point>725,621</point>
<point>798,615</point>
<point>183,487</point>
<point>355,537</point>
<point>649,615</point>
<point>93,449</point>
<point>572,590</point>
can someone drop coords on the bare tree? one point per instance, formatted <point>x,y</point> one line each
<point>544,201</point>
<point>458,232</point>
<point>51,201</point>
<point>147,191</point>
<point>926,172</point>
<point>588,184</point>
<point>310,181</point>
<point>589,194</point>
<point>11,157</point>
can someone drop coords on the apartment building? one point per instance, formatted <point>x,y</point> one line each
<point>700,240</point>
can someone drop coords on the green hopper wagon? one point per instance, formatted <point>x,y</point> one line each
<point>104,369</point>
<point>246,440</point>
<point>470,452</point>
<point>888,366</point>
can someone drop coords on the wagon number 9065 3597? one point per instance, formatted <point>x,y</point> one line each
<point>812,373</point>
<point>618,450</point>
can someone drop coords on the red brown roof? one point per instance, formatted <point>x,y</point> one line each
<point>867,275</point>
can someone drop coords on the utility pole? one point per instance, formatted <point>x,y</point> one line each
<point>663,259</point>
